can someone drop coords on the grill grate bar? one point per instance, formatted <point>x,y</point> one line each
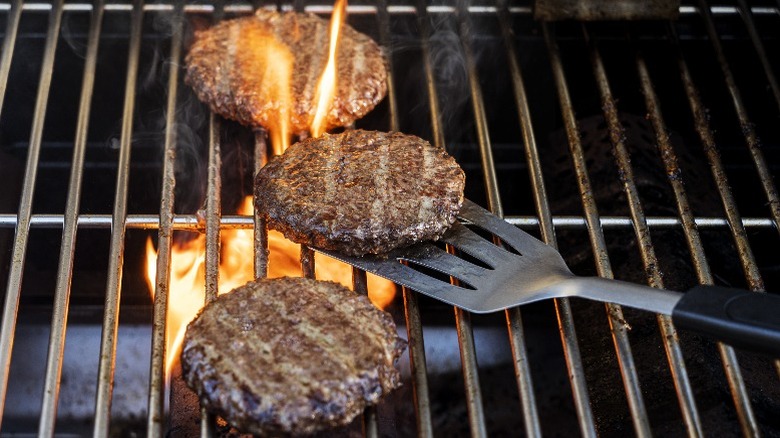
<point>596,234</point>
<point>737,227</point>
<point>13,292</point>
<point>671,342</point>
<point>747,17</point>
<point>213,208</point>
<point>384,38</point>
<point>397,9</point>
<point>735,221</point>
<point>514,316</point>
<point>731,367</point>
<point>213,213</point>
<point>562,306</point>
<point>259,223</point>
<point>423,21</point>
<point>9,42</point>
<point>416,349</point>
<point>116,252</point>
<point>462,319</point>
<point>307,262</point>
<point>360,286</point>
<point>468,359</point>
<point>748,129</point>
<point>190,222</point>
<point>417,364</point>
<point>67,249</point>
<point>157,402</point>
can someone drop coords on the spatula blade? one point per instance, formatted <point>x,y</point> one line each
<point>505,280</point>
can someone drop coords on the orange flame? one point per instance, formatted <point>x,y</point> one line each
<point>270,68</point>
<point>326,89</point>
<point>272,63</point>
<point>281,74</point>
<point>186,288</point>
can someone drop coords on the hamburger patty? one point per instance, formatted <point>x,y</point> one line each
<point>231,68</point>
<point>361,191</point>
<point>290,355</point>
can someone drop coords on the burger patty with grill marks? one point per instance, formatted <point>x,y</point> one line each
<point>361,192</point>
<point>237,68</point>
<point>290,355</point>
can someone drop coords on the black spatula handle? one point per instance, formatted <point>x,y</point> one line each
<point>737,317</point>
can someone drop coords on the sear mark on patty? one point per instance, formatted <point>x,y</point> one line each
<point>226,64</point>
<point>361,192</point>
<point>290,355</point>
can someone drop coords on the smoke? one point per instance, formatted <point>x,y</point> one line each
<point>191,117</point>
<point>451,79</point>
<point>449,76</point>
<point>72,31</point>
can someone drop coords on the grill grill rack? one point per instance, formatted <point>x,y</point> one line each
<point>119,221</point>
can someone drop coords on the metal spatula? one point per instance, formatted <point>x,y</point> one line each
<point>535,271</point>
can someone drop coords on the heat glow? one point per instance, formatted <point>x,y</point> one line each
<point>271,65</point>
<point>186,287</point>
<point>326,89</point>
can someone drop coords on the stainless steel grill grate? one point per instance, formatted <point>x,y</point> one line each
<point>484,36</point>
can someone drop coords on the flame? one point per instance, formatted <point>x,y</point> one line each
<point>272,65</point>
<point>186,287</point>
<point>326,89</point>
<point>269,70</point>
<point>280,74</point>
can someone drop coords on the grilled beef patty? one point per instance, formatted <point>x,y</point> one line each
<point>361,191</point>
<point>290,355</point>
<point>229,68</point>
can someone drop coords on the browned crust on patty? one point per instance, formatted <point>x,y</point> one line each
<point>361,192</point>
<point>290,355</point>
<point>225,63</point>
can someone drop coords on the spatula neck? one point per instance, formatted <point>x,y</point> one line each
<point>623,293</point>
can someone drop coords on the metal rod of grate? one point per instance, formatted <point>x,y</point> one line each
<point>747,15</point>
<point>116,252</point>
<point>14,288</point>
<point>9,42</point>
<point>649,259</point>
<point>746,257</point>
<point>731,367</point>
<point>213,214</point>
<point>157,396</point>
<point>514,316</point>
<point>68,246</point>
<point>562,306</point>
<point>192,222</point>
<point>468,356</point>
<point>259,222</point>
<point>422,403</point>
<point>327,8</point>
<point>748,128</point>
<point>596,235</point>
<point>707,138</point>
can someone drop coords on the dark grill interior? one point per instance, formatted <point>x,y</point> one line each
<point>440,39</point>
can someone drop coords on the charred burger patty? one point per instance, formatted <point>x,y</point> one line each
<point>290,355</point>
<point>238,68</point>
<point>361,191</point>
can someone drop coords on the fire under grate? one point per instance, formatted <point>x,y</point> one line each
<point>643,151</point>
